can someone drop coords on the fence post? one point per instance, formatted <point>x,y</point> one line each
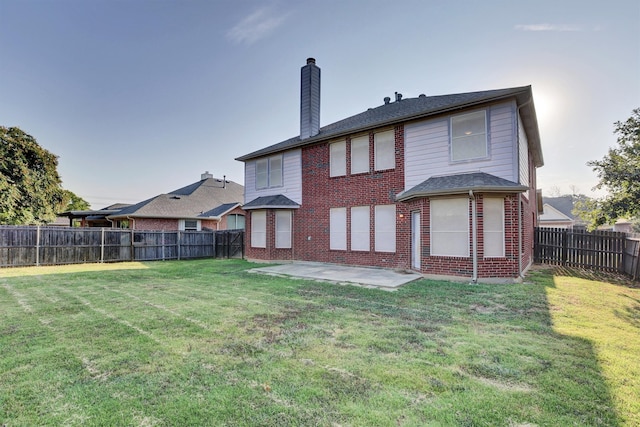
<point>37,246</point>
<point>132,255</point>
<point>162,236</point>
<point>102,245</point>
<point>178,241</point>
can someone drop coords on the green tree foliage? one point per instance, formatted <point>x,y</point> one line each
<point>30,188</point>
<point>73,202</point>
<point>619,174</point>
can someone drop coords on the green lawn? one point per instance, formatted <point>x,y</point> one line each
<point>206,343</point>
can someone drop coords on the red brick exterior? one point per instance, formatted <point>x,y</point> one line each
<point>310,238</point>
<point>167,224</point>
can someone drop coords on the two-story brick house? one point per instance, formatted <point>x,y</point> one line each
<point>443,185</point>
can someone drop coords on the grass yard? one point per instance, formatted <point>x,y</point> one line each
<point>206,343</point>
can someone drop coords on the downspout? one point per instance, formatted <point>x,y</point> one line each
<point>133,223</point>
<point>474,236</point>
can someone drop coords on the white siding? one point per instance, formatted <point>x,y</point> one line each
<point>291,179</point>
<point>427,150</point>
<point>523,153</point>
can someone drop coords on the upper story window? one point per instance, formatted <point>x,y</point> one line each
<point>384,150</point>
<point>469,136</point>
<point>360,154</point>
<point>269,172</point>
<point>338,158</point>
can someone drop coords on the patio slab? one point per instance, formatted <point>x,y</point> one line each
<point>369,277</point>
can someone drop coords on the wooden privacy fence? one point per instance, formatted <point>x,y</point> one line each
<point>601,250</point>
<point>35,245</point>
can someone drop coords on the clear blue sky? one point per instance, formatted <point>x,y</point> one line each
<point>140,97</point>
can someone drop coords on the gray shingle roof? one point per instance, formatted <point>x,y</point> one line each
<point>415,108</point>
<point>461,184</point>
<point>272,202</point>
<point>220,210</point>
<point>190,202</point>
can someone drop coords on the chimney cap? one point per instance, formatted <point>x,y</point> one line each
<point>387,99</point>
<point>311,61</point>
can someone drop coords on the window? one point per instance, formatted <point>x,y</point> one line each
<point>385,228</point>
<point>493,215</point>
<point>338,229</point>
<point>275,171</point>
<point>338,158</point>
<point>262,174</point>
<point>360,228</point>
<point>360,154</point>
<point>469,136</point>
<point>189,225</point>
<point>235,222</point>
<point>384,150</point>
<point>259,229</point>
<point>283,229</point>
<point>450,227</point>
<point>269,172</point>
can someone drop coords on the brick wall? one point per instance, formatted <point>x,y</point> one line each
<point>166,224</point>
<point>322,192</point>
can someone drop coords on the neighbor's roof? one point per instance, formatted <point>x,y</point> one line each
<point>208,198</point>
<point>417,108</point>
<point>271,202</point>
<point>461,184</point>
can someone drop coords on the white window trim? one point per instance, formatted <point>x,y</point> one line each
<point>381,141</point>
<point>360,228</point>
<point>438,237</point>
<point>283,238</point>
<point>259,235</point>
<point>451,137</point>
<point>501,232</point>
<point>338,229</point>
<point>385,233</point>
<point>338,158</point>
<point>182,226</point>
<point>362,142</point>
<point>269,171</point>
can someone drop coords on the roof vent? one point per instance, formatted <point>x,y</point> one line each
<point>205,175</point>
<point>422,95</point>
<point>398,97</point>
<point>387,100</point>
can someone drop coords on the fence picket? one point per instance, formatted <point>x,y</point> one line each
<point>39,245</point>
<point>600,250</point>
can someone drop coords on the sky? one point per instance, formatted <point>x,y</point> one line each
<point>139,97</point>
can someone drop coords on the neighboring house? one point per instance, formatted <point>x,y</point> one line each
<point>210,203</point>
<point>93,218</point>
<point>558,213</point>
<point>552,217</point>
<point>443,185</point>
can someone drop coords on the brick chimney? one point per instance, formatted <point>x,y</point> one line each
<point>309,99</point>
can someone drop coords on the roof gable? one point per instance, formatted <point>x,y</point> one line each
<point>414,108</point>
<point>198,200</point>
<point>461,184</point>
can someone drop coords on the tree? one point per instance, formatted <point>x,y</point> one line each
<point>30,188</point>
<point>73,202</point>
<point>619,174</point>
